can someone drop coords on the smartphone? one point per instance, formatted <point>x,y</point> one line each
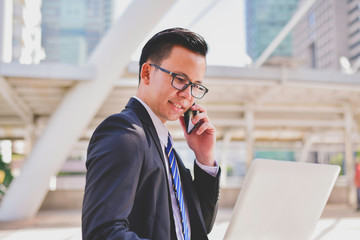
<point>188,116</point>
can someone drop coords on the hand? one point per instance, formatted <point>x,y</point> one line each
<point>203,138</point>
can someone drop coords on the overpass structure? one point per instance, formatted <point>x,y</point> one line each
<point>52,107</point>
<point>268,104</point>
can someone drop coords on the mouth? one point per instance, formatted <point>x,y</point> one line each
<point>178,106</point>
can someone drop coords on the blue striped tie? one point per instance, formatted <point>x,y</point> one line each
<point>177,187</point>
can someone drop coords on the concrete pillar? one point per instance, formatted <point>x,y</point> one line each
<point>249,140</point>
<point>29,138</point>
<point>349,155</point>
<point>308,142</point>
<point>224,154</point>
<point>78,107</point>
<point>6,14</point>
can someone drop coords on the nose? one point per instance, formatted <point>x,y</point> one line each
<point>186,93</point>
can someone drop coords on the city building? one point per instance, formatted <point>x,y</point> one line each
<point>319,38</point>
<point>21,32</point>
<point>72,29</point>
<point>353,22</point>
<point>264,21</point>
<point>5,31</point>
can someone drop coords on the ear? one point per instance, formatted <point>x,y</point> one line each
<point>145,73</point>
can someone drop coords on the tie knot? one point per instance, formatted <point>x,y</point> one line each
<point>169,139</point>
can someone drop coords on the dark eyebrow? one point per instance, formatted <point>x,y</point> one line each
<point>183,75</point>
<point>187,77</point>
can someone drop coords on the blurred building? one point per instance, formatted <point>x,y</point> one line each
<point>264,21</point>
<point>353,22</point>
<point>21,31</point>
<point>305,115</point>
<point>5,28</point>
<point>72,29</point>
<point>319,38</point>
<point>329,31</point>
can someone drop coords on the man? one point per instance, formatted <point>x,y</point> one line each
<point>136,185</point>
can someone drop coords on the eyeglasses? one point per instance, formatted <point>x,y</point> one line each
<point>181,83</point>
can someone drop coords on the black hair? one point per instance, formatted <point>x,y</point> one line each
<point>160,45</point>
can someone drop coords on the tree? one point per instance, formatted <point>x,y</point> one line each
<point>5,177</point>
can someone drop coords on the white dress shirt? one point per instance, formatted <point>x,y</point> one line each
<point>162,133</point>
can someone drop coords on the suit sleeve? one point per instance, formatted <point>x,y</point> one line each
<point>207,188</point>
<point>113,165</point>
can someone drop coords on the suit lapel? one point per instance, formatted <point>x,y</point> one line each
<point>149,127</point>
<point>145,118</point>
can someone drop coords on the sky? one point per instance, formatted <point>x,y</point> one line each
<point>220,22</point>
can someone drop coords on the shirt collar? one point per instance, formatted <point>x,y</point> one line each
<point>160,127</point>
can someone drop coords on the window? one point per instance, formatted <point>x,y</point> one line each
<point>313,55</point>
<point>311,20</point>
<point>353,9</point>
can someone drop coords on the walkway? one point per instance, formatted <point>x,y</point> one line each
<point>337,222</point>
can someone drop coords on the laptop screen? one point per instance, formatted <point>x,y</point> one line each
<point>281,200</point>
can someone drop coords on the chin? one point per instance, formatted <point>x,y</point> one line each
<point>174,118</point>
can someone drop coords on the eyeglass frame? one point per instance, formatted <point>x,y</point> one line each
<point>173,75</point>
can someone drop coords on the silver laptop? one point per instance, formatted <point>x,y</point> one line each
<point>281,200</point>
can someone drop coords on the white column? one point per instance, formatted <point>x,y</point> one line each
<point>2,31</point>
<point>224,154</point>
<point>6,15</point>
<point>349,158</point>
<point>78,107</point>
<point>308,142</point>
<point>29,138</point>
<point>249,118</point>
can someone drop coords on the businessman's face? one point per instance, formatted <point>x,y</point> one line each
<point>167,102</point>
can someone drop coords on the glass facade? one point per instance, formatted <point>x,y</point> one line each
<point>72,29</point>
<point>264,21</point>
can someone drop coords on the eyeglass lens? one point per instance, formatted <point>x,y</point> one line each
<point>181,83</point>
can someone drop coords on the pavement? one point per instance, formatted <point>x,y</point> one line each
<point>337,222</point>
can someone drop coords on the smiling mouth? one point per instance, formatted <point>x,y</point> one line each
<point>177,105</point>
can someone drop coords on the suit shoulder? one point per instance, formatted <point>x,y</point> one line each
<point>116,136</point>
<point>118,125</point>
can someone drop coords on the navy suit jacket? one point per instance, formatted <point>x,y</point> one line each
<point>127,194</point>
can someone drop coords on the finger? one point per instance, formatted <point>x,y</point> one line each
<point>198,107</point>
<point>201,117</point>
<point>206,126</point>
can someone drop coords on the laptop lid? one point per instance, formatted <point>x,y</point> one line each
<point>281,200</point>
